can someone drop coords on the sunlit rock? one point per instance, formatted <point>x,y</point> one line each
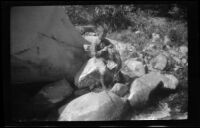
<point>93,107</point>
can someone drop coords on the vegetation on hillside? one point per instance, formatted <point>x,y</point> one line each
<point>123,20</point>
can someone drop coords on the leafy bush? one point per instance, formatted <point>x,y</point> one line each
<point>123,20</point>
<point>114,16</point>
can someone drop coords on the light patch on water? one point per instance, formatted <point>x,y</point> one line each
<point>183,116</point>
<point>161,112</point>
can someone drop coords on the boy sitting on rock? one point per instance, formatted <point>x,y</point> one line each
<point>102,48</point>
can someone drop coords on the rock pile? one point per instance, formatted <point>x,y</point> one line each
<point>146,72</point>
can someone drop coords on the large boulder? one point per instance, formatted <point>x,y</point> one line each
<point>44,45</point>
<point>143,86</point>
<point>159,62</point>
<point>90,73</point>
<point>93,107</point>
<point>133,68</point>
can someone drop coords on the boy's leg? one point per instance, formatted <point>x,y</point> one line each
<point>102,83</point>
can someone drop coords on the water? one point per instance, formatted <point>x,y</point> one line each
<point>173,107</point>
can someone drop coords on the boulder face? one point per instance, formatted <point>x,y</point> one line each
<point>133,68</point>
<point>44,45</point>
<point>93,107</point>
<point>90,73</point>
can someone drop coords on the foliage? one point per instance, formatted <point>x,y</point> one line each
<point>123,20</point>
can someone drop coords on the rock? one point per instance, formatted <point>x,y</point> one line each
<point>184,61</point>
<point>80,92</point>
<point>173,52</point>
<point>46,45</point>
<point>184,50</point>
<point>86,47</point>
<point>138,32</point>
<point>46,100</point>
<point>170,81</point>
<point>111,65</point>
<point>91,39</point>
<point>176,67</point>
<point>142,87</point>
<point>120,89</point>
<point>55,92</point>
<point>93,107</point>
<point>159,62</point>
<point>176,59</point>
<point>91,34</point>
<point>133,68</point>
<point>90,73</point>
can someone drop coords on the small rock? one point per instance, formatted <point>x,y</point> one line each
<point>86,47</point>
<point>133,68</point>
<point>120,89</point>
<point>111,64</point>
<point>93,107</point>
<point>177,60</point>
<point>170,81</point>
<point>91,39</point>
<point>184,61</point>
<point>183,50</point>
<point>176,68</point>
<point>90,34</point>
<point>173,52</point>
<point>47,98</point>
<point>138,32</point>
<point>159,62</point>
<point>55,92</point>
